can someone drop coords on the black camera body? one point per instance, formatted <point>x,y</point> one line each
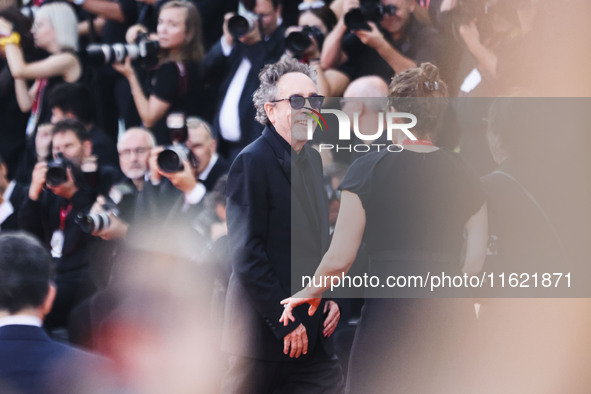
<point>358,18</point>
<point>57,171</point>
<point>120,199</point>
<point>298,41</point>
<point>143,49</point>
<point>172,157</point>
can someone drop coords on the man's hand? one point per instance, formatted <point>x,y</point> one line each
<point>253,36</point>
<point>373,38</point>
<point>297,341</point>
<point>227,36</point>
<point>43,140</point>
<point>38,180</point>
<point>332,319</point>
<point>184,180</point>
<point>117,229</point>
<point>153,165</point>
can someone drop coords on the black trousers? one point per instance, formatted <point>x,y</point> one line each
<point>317,374</point>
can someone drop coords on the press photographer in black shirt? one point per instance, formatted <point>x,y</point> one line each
<point>58,193</point>
<point>175,84</point>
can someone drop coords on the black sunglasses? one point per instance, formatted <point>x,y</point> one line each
<point>298,102</point>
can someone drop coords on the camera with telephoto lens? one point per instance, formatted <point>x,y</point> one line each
<point>57,171</point>
<point>239,25</point>
<point>172,156</point>
<point>143,49</point>
<point>358,18</point>
<point>119,200</point>
<point>298,41</point>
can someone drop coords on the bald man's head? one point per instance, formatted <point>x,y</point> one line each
<point>369,86</point>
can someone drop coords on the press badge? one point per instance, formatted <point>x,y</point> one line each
<point>57,244</point>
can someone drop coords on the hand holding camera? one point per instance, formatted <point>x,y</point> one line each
<point>372,38</point>
<point>103,219</point>
<point>38,180</point>
<point>304,42</point>
<point>243,27</point>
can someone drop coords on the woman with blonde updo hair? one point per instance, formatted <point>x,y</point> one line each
<point>411,208</point>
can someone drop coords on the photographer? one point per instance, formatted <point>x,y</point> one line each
<point>392,42</point>
<point>175,85</point>
<point>231,69</point>
<point>74,101</point>
<point>134,148</point>
<point>57,195</point>
<point>305,41</point>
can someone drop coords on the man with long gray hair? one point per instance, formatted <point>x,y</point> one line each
<point>271,227</point>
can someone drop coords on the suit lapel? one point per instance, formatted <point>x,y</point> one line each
<point>281,154</point>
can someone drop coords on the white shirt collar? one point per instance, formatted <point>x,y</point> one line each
<point>8,192</point>
<point>22,320</point>
<point>6,208</point>
<point>214,158</point>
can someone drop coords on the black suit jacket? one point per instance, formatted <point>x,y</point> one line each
<point>219,72</point>
<point>29,358</point>
<point>219,169</point>
<point>269,231</point>
<point>19,194</point>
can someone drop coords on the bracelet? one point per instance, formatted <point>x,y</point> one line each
<point>13,38</point>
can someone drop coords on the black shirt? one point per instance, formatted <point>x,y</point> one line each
<point>165,83</point>
<point>416,204</point>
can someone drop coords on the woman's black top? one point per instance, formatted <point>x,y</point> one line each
<point>183,94</point>
<point>416,204</point>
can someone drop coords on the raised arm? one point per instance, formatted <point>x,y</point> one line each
<point>151,109</point>
<point>59,64</point>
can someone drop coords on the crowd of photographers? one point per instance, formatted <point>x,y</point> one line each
<point>121,140</point>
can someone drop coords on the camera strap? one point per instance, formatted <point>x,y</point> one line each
<point>183,86</point>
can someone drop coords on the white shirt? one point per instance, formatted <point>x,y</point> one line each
<point>21,320</point>
<point>214,158</point>
<point>6,208</point>
<point>229,112</point>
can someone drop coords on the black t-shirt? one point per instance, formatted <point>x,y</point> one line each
<point>416,204</point>
<point>165,83</point>
<point>113,31</point>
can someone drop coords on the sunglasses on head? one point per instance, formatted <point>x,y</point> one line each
<point>298,102</point>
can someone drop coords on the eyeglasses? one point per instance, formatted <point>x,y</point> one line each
<point>310,6</point>
<point>298,102</point>
<point>126,153</point>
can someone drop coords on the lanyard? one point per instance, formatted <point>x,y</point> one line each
<point>64,211</point>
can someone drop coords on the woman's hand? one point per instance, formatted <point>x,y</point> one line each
<point>5,27</point>
<point>133,31</point>
<point>299,298</point>
<point>124,68</point>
